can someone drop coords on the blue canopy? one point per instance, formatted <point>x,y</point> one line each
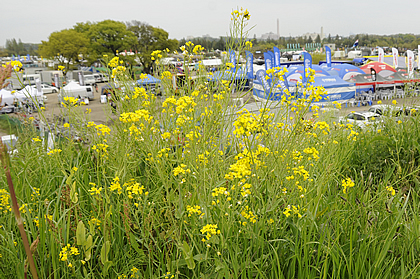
<point>229,75</point>
<point>347,71</point>
<point>293,76</point>
<point>149,80</point>
<point>337,88</point>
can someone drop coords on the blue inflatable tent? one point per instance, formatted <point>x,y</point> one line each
<point>149,80</point>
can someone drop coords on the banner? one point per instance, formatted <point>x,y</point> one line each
<point>328,55</point>
<point>261,78</point>
<point>395,57</point>
<point>56,81</point>
<point>81,79</point>
<point>380,55</point>
<point>268,61</point>
<point>249,64</point>
<point>276,57</point>
<point>38,85</point>
<point>307,64</point>
<point>410,64</point>
<point>272,58</point>
<point>418,57</point>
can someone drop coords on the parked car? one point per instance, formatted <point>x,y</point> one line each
<point>362,119</point>
<point>7,109</point>
<point>104,77</point>
<point>386,110</point>
<point>48,89</point>
<point>98,78</point>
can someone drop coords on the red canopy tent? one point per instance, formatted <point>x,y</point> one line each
<point>382,69</point>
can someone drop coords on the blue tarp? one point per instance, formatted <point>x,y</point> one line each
<point>149,80</point>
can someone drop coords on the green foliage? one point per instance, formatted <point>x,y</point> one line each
<point>182,187</point>
<point>65,45</point>
<point>109,36</point>
<point>149,39</point>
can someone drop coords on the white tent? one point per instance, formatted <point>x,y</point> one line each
<point>30,93</point>
<point>6,97</point>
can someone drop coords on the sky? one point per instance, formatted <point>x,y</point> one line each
<point>33,21</point>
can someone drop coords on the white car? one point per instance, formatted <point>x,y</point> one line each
<point>386,110</point>
<point>362,119</point>
<point>48,89</point>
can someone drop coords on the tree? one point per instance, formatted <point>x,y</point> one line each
<point>65,45</point>
<point>108,36</point>
<point>149,39</point>
<point>318,39</point>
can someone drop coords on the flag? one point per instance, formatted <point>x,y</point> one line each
<point>273,63</point>
<point>356,43</point>
<point>410,65</point>
<point>307,64</point>
<point>395,57</point>
<point>249,64</point>
<point>268,61</point>
<point>380,55</point>
<point>418,57</point>
<point>261,78</point>
<point>328,55</point>
<point>276,57</point>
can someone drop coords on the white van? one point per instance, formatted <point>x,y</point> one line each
<point>74,89</point>
<point>98,78</point>
<point>104,77</point>
<point>89,80</point>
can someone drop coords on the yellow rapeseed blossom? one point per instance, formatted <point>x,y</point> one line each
<point>54,151</point>
<point>115,186</point>
<point>347,183</point>
<point>209,230</point>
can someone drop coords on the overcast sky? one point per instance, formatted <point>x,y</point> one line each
<point>33,21</point>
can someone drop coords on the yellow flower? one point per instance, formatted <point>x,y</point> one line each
<point>66,125</point>
<point>379,102</point>
<point>394,102</point>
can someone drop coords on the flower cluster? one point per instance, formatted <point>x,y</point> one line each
<point>195,209</point>
<point>181,169</point>
<point>54,151</point>
<point>68,251</point>
<point>347,183</point>
<point>209,230</point>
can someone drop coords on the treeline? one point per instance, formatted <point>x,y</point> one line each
<point>88,42</point>
<point>16,48</point>
<point>400,41</point>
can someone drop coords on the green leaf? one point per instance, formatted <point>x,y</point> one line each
<point>73,193</point>
<point>88,248</point>
<point>80,233</point>
<point>104,252</point>
<point>136,247</point>
<point>186,250</point>
<point>107,265</point>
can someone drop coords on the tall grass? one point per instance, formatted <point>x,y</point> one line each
<point>184,187</point>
